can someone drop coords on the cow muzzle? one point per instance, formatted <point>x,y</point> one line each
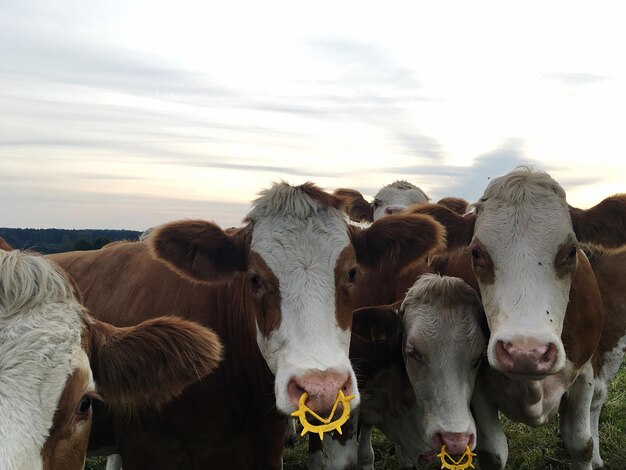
<point>526,356</point>
<point>321,388</point>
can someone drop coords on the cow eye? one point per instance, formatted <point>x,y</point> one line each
<point>84,406</point>
<point>572,252</point>
<point>352,275</point>
<point>413,353</point>
<point>376,203</point>
<point>255,282</point>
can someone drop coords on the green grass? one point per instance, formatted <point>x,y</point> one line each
<point>529,448</point>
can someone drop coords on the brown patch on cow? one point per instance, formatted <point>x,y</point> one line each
<point>397,239</point>
<point>327,200</point>
<point>347,278</point>
<point>482,263</point>
<point>201,251</point>
<point>455,204</point>
<point>66,446</point>
<point>115,243</point>
<point>610,271</point>
<point>582,326</point>
<point>150,363</point>
<point>4,245</point>
<point>357,207</point>
<point>603,225</point>
<point>459,228</point>
<point>566,259</point>
<point>266,289</point>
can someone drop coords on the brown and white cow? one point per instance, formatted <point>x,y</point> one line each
<point>391,199</point>
<point>55,360</point>
<point>431,344</point>
<point>280,293</point>
<point>541,301</point>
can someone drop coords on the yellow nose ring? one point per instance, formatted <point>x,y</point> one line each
<point>448,462</point>
<point>327,424</point>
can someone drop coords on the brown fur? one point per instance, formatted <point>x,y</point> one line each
<point>387,240</point>
<point>604,225</point>
<point>609,269</point>
<point>4,245</point>
<point>327,200</point>
<point>200,250</point>
<point>66,446</point>
<point>455,204</point>
<point>152,362</point>
<point>459,228</point>
<point>344,289</point>
<point>268,316</point>
<point>357,207</point>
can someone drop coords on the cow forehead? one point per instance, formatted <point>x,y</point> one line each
<point>533,225</point>
<point>392,195</point>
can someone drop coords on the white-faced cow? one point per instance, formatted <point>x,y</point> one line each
<point>391,199</point>
<point>416,361</point>
<point>55,360</point>
<point>280,293</point>
<point>541,301</point>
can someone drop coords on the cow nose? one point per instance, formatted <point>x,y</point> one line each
<point>394,209</point>
<point>526,356</point>
<point>456,442</point>
<point>322,388</point>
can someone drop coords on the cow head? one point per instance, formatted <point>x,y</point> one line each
<point>55,360</point>
<point>523,239</point>
<point>438,329</point>
<point>298,263</point>
<point>391,199</point>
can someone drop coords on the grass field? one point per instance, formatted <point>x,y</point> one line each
<point>529,449</point>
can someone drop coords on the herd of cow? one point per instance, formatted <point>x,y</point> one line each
<point>190,349</point>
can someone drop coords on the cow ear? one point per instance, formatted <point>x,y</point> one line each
<point>459,228</point>
<point>380,328</point>
<point>604,225</point>
<point>356,206</point>
<point>398,239</point>
<point>149,364</point>
<point>379,324</point>
<point>455,204</point>
<point>4,245</point>
<point>200,250</point>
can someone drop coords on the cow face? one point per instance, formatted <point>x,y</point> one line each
<point>391,199</point>
<point>298,264</point>
<point>443,345</point>
<point>55,360</point>
<point>437,334</point>
<point>523,240</point>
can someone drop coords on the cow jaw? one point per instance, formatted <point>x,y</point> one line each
<point>516,254</point>
<point>307,346</point>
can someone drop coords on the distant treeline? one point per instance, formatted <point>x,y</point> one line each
<point>54,240</point>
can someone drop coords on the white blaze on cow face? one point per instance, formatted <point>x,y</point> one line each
<point>524,254</point>
<point>40,348</point>
<point>308,251</point>
<point>396,197</point>
<point>443,344</point>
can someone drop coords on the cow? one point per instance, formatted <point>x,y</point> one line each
<point>279,291</point>
<point>391,199</point>
<point>56,360</point>
<point>542,304</point>
<point>416,361</point>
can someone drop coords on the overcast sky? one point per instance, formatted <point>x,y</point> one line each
<point>128,114</point>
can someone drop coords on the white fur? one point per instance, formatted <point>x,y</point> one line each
<point>522,221</point>
<point>301,241</point>
<point>399,195</point>
<point>40,346</point>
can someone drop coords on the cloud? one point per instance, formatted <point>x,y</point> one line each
<point>575,79</point>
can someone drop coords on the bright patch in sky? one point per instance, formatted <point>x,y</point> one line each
<point>124,114</point>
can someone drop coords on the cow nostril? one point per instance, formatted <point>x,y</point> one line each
<point>549,355</point>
